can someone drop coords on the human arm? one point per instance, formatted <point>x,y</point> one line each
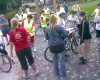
<point>11,49</point>
<point>46,34</point>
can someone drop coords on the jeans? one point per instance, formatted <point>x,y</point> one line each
<point>59,64</point>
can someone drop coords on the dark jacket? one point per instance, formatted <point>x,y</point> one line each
<point>86,33</point>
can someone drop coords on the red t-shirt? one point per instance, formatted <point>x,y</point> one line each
<point>19,38</point>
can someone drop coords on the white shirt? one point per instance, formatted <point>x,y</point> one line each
<point>61,22</point>
<point>97,18</point>
<point>71,21</point>
<point>0,33</point>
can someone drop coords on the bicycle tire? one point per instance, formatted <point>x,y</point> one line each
<point>74,45</point>
<point>46,55</point>
<point>92,27</point>
<point>5,62</point>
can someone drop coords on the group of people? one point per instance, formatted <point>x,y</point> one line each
<point>55,28</point>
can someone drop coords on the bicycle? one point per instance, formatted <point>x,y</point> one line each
<point>5,62</point>
<point>71,43</point>
<point>92,24</point>
<point>38,29</point>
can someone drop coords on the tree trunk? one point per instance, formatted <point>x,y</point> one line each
<point>37,8</point>
<point>54,5</point>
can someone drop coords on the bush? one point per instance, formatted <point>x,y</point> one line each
<point>10,15</point>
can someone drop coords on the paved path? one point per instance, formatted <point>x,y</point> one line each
<point>90,71</point>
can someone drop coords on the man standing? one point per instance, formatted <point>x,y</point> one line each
<point>4,27</point>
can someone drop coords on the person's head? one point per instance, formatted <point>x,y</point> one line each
<point>62,5</point>
<point>29,17</point>
<point>58,7</point>
<point>75,2</point>
<point>62,15</point>
<point>81,15</point>
<point>72,13</point>
<point>52,21</point>
<point>19,11</point>
<point>98,6</point>
<point>14,23</point>
<point>45,7</point>
<point>2,16</point>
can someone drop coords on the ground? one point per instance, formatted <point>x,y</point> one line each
<point>90,71</point>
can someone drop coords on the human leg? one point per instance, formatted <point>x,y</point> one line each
<point>87,48</point>
<point>62,65</point>
<point>30,58</point>
<point>22,60</point>
<point>55,65</point>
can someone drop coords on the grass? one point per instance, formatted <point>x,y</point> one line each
<point>88,7</point>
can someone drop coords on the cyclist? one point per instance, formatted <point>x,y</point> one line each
<point>53,35</point>
<point>29,25</point>
<point>97,20</point>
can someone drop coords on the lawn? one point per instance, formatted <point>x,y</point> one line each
<point>89,6</point>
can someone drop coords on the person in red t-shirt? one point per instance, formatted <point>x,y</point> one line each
<point>19,37</point>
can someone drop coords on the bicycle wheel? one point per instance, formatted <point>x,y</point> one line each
<point>92,27</point>
<point>48,55</point>
<point>67,44</point>
<point>74,45</point>
<point>5,64</point>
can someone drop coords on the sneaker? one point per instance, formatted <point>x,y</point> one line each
<point>36,73</point>
<point>8,44</point>
<point>34,50</point>
<point>25,77</point>
<point>82,61</point>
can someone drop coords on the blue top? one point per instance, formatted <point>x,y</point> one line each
<point>4,28</point>
<point>54,36</point>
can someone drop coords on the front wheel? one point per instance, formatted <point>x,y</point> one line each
<point>74,45</point>
<point>5,63</point>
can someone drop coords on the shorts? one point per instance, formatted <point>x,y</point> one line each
<point>5,33</point>
<point>24,55</point>
<point>32,39</point>
<point>97,33</point>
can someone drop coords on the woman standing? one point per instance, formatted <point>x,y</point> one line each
<point>85,38</point>
<point>19,37</point>
<point>54,34</point>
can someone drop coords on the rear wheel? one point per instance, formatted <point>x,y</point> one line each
<point>92,27</point>
<point>5,63</point>
<point>48,55</point>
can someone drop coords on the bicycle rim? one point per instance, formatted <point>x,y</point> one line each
<point>74,45</point>
<point>92,27</point>
<point>38,31</point>
<point>48,55</point>
<point>5,64</point>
